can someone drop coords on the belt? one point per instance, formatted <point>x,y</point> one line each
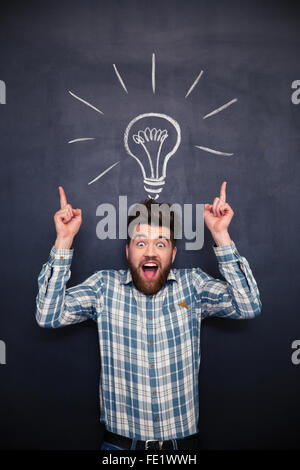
<point>189,442</point>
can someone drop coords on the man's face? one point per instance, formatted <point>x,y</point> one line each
<point>150,256</point>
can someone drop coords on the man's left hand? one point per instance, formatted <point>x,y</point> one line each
<point>218,216</point>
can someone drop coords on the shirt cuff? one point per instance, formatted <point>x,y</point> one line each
<point>60,257</point>
<point>227,253</point>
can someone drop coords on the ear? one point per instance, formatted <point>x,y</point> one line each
<point>174,253</point>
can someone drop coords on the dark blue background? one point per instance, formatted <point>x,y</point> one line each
<point>249,388</point>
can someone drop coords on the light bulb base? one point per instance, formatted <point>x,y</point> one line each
<point>154,186</point>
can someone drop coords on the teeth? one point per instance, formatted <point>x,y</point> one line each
<point>150,264</point>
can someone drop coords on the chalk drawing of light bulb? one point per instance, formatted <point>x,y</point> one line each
<point>152,139</point>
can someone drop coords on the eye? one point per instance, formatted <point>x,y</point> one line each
<point>140,243</point>
<point>161,244</point>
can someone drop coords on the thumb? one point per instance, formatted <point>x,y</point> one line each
<point>76,211</point>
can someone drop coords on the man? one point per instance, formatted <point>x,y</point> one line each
<point>148,318</point>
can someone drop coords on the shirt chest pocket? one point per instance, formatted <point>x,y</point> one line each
<point>174,323</point>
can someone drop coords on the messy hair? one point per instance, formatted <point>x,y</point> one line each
<point>153,214</point>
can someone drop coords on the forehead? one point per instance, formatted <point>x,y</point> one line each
<point>151,231</point>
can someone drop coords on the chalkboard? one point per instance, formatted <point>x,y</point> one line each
<point>73,70</point>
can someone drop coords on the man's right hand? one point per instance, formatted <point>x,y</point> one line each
<point>67,222</point>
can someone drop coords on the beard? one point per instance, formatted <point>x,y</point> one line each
<point>149,286</point>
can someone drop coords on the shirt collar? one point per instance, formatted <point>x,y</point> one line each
<point>128,278</point>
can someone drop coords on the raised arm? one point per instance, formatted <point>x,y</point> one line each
<point>57,306</point>
<point>237,297</point>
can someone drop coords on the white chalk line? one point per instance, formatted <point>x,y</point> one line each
<point>194,84</point>
<point>221,108</point>
<point>120,78</point>
<point>85,102</point>
<point>81,139</point>
<point>153,73</point>
<point>216,152</point>
<point>103,173</point>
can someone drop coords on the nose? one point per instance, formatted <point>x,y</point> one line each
<point>150,250</point>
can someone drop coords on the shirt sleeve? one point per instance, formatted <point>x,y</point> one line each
<point>57,306</point>
<point>238,297</point>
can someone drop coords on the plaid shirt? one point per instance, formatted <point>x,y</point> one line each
<point>149,344</point>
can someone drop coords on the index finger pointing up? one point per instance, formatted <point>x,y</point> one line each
<point>223,191</point>
<point>63,199</point>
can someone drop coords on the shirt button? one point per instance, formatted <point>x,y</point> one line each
<point>155,392</point>
<point>152,366</point>
<point>151,342</point>
<point>157,418</point>
<point>61,257</point>
<point>150,318</point>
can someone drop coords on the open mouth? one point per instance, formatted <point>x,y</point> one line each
<point>150,269</point>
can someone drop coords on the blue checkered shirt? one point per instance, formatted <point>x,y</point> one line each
<point>149,345</point>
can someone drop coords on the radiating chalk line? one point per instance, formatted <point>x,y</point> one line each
<point>194,84</point>
<point>221,108</point>
<point>103,173</point>
<point>85,102</point>
<point>81,139</point>
<point>120,78</point>
<point>206,149</point>
<point>153,73</point>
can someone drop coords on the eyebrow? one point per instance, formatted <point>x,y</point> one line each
<point>142,235</point>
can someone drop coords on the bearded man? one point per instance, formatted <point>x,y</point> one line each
<point>148,319</point>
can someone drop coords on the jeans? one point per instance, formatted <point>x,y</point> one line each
<point>108,446</point>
